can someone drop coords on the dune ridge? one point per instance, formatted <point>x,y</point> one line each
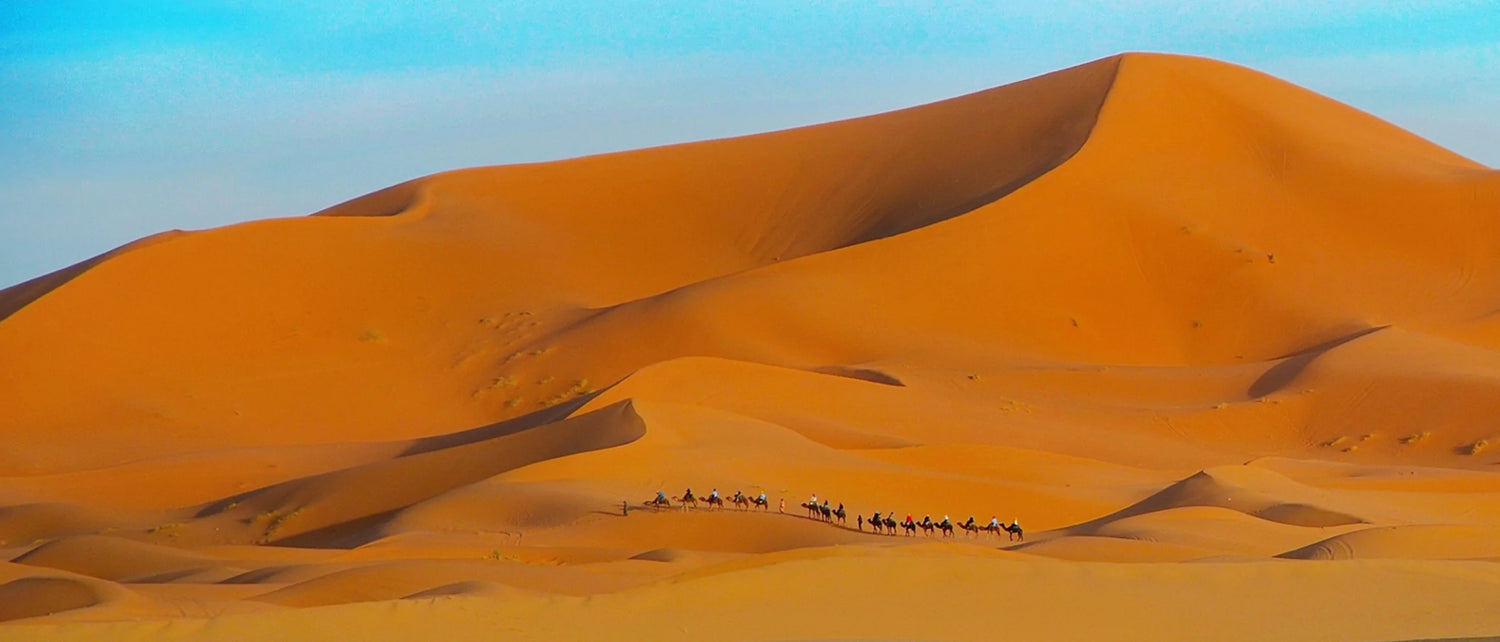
<point>1191,326</point>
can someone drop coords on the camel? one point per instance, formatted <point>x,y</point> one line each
<point>687,499</point>
<point>1014,532</point>
<point>714,501</point>
<point>812,509</point>
<point>658,503</point>
<point>762,503</point>
<point>741,502</point>
<point>970,528</point>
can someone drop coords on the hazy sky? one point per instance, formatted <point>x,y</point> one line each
<point>121,119</point>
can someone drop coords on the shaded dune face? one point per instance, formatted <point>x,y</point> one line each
<point>1158,309</point>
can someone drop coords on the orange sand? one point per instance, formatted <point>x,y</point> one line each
<point>1165,311</point>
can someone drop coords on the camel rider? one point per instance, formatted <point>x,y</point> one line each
<point>1015,525</point>
<point>970,523</point>
<point>994,522</point>
<point>660,497</point>
<point>876,518</point>
<point>825,504</point>
<point>714,495</point>
<point>909,519</point>
<point>926,519</point>
<point>688,494</point>
<point>739,495</point>
<point>946,521</point>
<point>813,501</point>
<point>762,497</point>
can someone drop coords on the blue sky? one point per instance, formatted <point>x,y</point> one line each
<point>121,119</point>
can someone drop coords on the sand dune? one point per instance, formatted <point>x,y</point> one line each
<point>26,524</point>
<point>111,558</point>
<point>1415,541</point>
<point>1251,491</point>
<point>1161,310</point>
<point>38,596</point>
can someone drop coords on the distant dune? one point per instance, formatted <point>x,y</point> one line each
<point>1162,310</point>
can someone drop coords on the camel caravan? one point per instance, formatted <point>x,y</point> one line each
<point>880,525</point>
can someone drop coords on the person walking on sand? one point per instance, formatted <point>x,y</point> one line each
<point>782,507</point>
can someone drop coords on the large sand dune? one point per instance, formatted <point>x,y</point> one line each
<point>1165,311</point>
